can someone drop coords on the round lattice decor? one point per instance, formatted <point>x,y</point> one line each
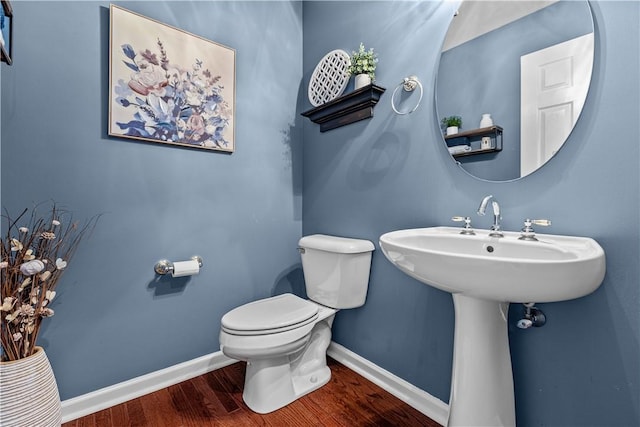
<point>330,77</point>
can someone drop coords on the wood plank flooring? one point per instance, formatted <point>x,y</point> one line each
<point>215,399</point>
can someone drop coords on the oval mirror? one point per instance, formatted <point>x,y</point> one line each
<point>516,73</point>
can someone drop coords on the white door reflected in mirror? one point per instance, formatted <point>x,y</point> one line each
<point>554,85</point>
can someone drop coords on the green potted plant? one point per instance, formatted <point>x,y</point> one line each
<point>452,124</point>
<point>363,66</point>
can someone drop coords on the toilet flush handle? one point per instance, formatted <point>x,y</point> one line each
<point>301,250</point>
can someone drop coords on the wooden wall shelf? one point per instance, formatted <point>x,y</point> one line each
<point>346,109</point>
<point>495,132</point>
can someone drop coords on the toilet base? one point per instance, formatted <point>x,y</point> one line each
<point>268,388</point>
<point>273,383</point>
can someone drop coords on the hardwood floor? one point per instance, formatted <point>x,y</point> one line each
<point>215,399</point>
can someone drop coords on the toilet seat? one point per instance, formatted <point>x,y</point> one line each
<point>270,316</point>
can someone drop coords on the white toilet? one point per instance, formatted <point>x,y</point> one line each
<point>284,339</point>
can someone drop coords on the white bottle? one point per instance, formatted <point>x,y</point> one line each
<point>486,121</point>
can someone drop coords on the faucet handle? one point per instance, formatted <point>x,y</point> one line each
<point>543,222</point>
<point>467,229</point>
<point>528,233</point>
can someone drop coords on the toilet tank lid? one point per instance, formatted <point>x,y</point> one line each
<point>341,245</point>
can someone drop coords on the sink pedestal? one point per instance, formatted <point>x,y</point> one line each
<point>482,380</point>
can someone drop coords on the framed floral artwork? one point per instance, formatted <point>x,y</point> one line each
<point>6,16</point>
<point>168,85</point>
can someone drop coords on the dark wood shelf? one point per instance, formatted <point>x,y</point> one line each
<point>346,109</point>
<point>488,131</point>
<point>494,132</point>
<point>475,151</point>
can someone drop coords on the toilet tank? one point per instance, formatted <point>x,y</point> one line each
<point>336,269</point>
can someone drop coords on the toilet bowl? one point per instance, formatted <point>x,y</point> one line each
<point>284,339</point>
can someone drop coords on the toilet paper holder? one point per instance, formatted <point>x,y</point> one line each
<point>165,266</point>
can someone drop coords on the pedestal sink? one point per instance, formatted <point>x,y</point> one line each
<point>484,274</point>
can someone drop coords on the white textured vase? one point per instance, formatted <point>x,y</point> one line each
<point>29,395</point>
<point>362,80</point>
<point>486,121</point>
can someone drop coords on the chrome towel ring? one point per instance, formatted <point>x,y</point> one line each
<point>409,84</point>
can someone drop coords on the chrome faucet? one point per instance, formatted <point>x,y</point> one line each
<point>495,228</point>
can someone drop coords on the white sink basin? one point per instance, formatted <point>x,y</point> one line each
<point>555,268</point>
<point>484,274</point>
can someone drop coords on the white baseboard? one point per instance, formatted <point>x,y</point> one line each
<point>118,393</point>
<point>113,395</point>
<point>419,399</point>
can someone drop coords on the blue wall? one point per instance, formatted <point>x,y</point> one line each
<point>241,212</point>
<point>392,172</point>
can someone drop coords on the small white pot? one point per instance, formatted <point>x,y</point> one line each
<point>452,130</point>
<point>486,121</point>
<point>362,80</point>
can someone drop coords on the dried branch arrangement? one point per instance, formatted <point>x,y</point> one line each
<point>33,255</point>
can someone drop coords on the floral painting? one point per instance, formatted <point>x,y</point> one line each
<point>169,86</point>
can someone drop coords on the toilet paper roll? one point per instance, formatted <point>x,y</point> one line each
<point>185,268</point>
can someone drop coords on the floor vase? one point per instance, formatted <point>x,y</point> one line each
<point>29,393</point>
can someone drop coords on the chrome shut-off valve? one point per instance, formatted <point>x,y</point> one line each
<point>533,316</point>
